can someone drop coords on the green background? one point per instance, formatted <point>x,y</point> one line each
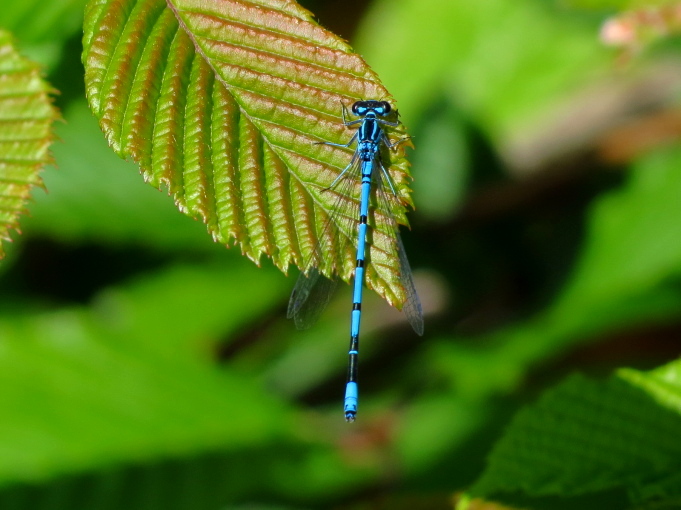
<point>142,366</point>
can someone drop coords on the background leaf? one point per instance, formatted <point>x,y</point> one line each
<point>41,21</point>
<point>103,207</point>
<point>26,116</point>
<point>42,27</point>
<point>221,102</point>
<point>462,67</point>
<point>586,436</point>
<point>57,375</point>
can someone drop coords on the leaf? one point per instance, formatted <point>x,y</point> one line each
<point>625,276</point>
<point>603,5</point>
<point>484,58</point>
<point>42,21</point>
<point>26,116</point>
<point>477,504</point>
<point>118,405</point>
<point>85,388</point>
<point>222,103</point>
<point>205,482</point>
<point>104,207</point>
<point>664,488</point>
<point>586,436</point>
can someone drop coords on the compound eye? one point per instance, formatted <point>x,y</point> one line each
<point>359,108</point>
<point>386,107</point>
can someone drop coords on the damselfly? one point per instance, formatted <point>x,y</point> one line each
<point>312,291</point>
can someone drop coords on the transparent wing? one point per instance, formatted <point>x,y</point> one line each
<point>384,196</point>
<point>412,306</point>
<point>313,290</point>
<point>309,298</point>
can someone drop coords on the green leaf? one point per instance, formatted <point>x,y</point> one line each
<point>664,488</point>
<point>586,436</point>
<point>597,4</point>
<point>41,21</point>
<point>203,482</point>
<point>626,275</point>
<point>510,66</point>
<point>26,116</point>
<point>222,103</point>
<point>85,388</point>
<point>134,386</point>
<point>105,206</point>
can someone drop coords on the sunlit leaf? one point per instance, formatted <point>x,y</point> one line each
<point>103,207</point>
<point>222,103</point>
<point>26,116</point>
<point>586,436</point>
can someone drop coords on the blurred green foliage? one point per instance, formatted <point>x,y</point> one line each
<point>145,367</point>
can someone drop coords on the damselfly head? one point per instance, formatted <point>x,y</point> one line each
<point>362,108</point>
